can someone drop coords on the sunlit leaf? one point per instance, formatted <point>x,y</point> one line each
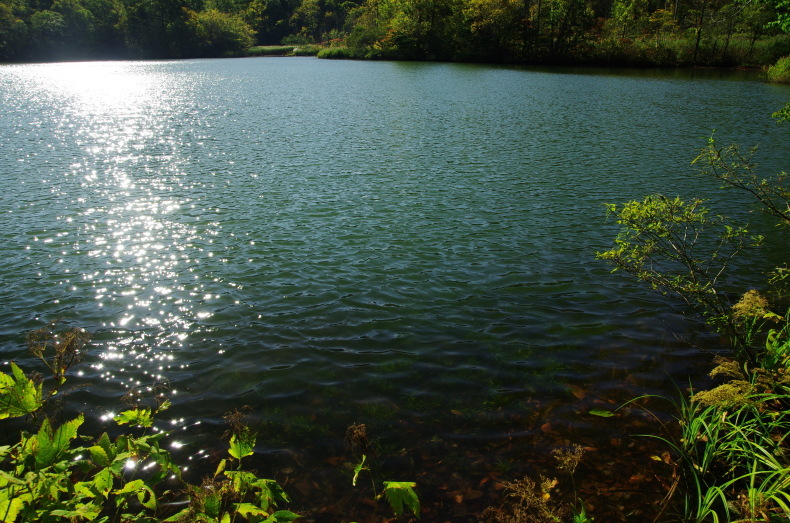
<point>242,444</point>
<point>359,468</point>
<point>601,413</point>
<point>136,417</point>
<point>146,497</point>
<point>248,509</point>
<point>282,516</point>
<point>19,395</point>
<point>103,481</point>
<point>10,509</point>
<point>399,493</point>
<point>99,456</point>
<point>131,487</point>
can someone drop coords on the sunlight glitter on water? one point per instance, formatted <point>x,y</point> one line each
<point>290,235</point>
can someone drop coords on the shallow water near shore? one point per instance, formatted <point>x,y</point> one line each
<point>410,246</point>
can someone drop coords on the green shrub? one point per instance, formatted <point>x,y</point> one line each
<point>270,50</point>
<point>306,50</point>
<point>338,53</point>
<point>780,72</point>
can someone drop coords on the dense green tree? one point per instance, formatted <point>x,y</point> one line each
<point>13,30</point>
<point>494,27</point>
<point>218,34</point>
<point>630,17</point>
<point>568,23</point>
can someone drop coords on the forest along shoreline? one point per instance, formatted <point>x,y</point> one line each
<point>636,33</point>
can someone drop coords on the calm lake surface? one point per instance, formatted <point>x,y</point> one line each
<point>409,246</point>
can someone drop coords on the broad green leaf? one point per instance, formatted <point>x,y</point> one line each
<point>85,489</point>
<point>6,478</point>
<point>271,493</point>
<point>19,395</point>
<point>248,509</point>
<point>131,487</point>
<point>10,508</point>
<point>136,417</point>
<point>282,516</point>
<point>99,456</point>
<point>601,413</point>
<point>52,446</point>
<point>119,463</point>
<point>146,497</point>
<point>105,443</point>
<point>179,516</point>
<point>103,481</point>
<point>87,511</point>
<point>242,444</point>
<point>401,493</point>
<point>241,480</point>
<point>225,518</point>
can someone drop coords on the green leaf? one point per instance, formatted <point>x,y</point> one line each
<point>248,509</point>
<point>52,446</point>
<point>103,481</point>
<point>401,493</point>
<point>136,417</point>
<point>179,516</point>
<point>271,493</point>
<point>88,511</point>
<point>10,509</point>
<point>221,467</point>
<point>242,444</point>
<point>99,456</point>
<point>146,497</point>
<point>241,480</point>
<point>601,413</point>
<point>19,395</point>
<point>359,468</point>
<point>131,487</point>
<point>282,516</point>
<point>105,443</point>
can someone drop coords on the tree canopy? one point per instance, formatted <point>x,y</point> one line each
<point>622,32</point>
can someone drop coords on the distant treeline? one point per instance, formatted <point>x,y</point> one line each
<point>623,32</point>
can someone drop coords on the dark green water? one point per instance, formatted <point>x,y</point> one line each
<point>409,246</point>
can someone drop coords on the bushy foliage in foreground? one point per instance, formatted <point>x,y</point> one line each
<point>732,457</point>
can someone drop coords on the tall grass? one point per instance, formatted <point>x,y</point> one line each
<point>271,50</point>
<point>732,455</point>
<point>339,53</point>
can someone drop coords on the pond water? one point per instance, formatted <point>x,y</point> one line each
<point>409,246</point>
